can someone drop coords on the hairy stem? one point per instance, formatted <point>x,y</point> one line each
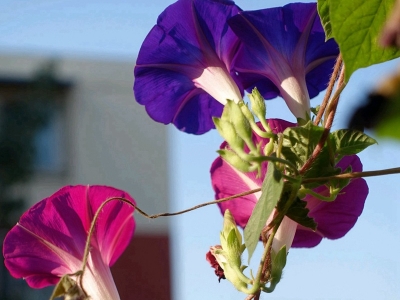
<point>329,90</point>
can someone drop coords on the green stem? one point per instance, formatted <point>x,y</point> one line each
<point>329,198</point>
<point>256,287</point>
<point>259,132</point>
<point>242,277</point>
<point>329,90</point>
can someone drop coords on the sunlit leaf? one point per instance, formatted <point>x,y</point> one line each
<point>356,26</point>
<point>323,11</point>
<point>348,142</point>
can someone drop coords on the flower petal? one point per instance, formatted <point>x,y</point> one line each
<point>182,59</point>
<point>284,53</point>
<point>335,219</point>
<point>49,240</point>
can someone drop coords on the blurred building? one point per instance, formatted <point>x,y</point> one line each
<point>98,134</point>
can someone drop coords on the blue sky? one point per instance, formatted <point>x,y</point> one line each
<point>363,265</point>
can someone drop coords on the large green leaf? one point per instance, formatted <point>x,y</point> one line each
<point>323,10</point>
<point>271,192</point>
<point>356,26</point>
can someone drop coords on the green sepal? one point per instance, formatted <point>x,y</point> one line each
<point>234,160</point>
<point>233,249</point>
<point>270,195</point>
<point>315,110</point>
<point>278,264</point>
<point>67,287</point>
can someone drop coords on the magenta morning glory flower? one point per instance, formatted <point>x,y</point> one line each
<point>334,219</point>
<point>184,65</point>
<point>49,240</point>
<point>284,53</point>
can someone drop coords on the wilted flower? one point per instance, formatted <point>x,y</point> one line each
<point>227,256</point>
<point>334,219</point>
<point>183,71</point>
<point>213,262</point>
<point>284,53</point>
<point>49,240</point>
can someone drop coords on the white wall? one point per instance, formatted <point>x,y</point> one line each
<point>109,140</point>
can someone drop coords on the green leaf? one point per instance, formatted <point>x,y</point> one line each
<point>323,11</point>
<point>270,194</point>
<point>299,142</point>
<point>298,145</point>
<point>299,213</point>
<point>356,26</point>
<point>69,288</point>
<point>349,142</point>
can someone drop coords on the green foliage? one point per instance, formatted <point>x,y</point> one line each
<point>349,142</point>
<point>299,213</point>
<point>323,10</point>
<point>271,193</point>
<point>356,26</point>
<point>298,145</point>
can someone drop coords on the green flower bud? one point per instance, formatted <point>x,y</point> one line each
<point>228,132</point>
<point>241,124</point>
<point>257,104</point>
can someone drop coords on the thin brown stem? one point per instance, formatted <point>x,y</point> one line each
<point>329,90</point>
<point>333,103</point>
<point>354,175</point>
<point>197,206</point>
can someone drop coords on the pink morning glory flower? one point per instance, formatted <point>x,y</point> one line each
<point>183,70</point>
<point>284,53</point>
<point>334,219</point>
<point>49,240</point>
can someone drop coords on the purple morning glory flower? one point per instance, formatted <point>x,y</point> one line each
<point>184,65</point>
<point>49,240</point>
<point>334,219</point>
<point>284,53</point>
